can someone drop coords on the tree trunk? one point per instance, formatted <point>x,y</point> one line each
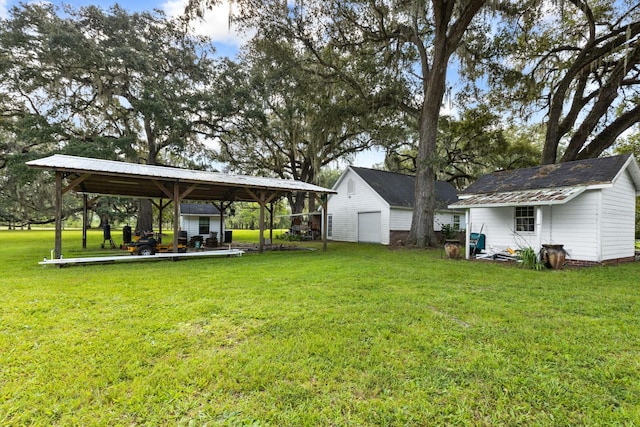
<point>145,216</point>
<point>145,212</point>
<point>422,232</point>
<point>296,201</point>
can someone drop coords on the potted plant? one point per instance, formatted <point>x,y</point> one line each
<point>553,256</point>
<point>452,245</point>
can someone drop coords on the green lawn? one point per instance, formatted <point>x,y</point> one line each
<point>355,336</point>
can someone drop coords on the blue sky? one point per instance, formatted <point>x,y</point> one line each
<point>215,25</point>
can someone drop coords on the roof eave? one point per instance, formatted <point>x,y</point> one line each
<point>468,201</point>
<point>634,171</point>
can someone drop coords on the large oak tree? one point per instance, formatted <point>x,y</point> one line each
<point>392,53</point>
<point>136,87</point>
<point>577,62</point>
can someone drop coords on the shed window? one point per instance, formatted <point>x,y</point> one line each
<point>329,225</point>
<point>203,225</point>
<point>525,219</point>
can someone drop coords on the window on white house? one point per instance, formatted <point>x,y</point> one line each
<point>329,225</point>
<point>456,222</point>
<point>203,225</point>
<point>525,219</point>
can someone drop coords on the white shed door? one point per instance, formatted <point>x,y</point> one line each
<point>369,227</point>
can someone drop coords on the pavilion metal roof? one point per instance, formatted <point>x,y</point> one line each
<point>107,177</point>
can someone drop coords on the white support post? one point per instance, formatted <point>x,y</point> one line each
<point>538,227</point>
<point>467,234</point>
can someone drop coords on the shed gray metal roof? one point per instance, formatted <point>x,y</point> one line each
<point>569,174</point>
<point>547,184</point>
<point>398,189</point>
<point>99,176</point>
<point>549,196</point>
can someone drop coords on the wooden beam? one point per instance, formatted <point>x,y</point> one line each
<point>188,191</point>
<point>73,184</point>
<point>57,251</point>
<point>160,207</point>
<point>262,208</point>
<point>261,199</point>
<point>176,215</point>
<point>324,202</point>
<point>222,207</point>
<point>163,188</point>
<point>271,222</point>
<point>85,205</point>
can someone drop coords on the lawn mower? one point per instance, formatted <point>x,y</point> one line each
<point>148,244</point>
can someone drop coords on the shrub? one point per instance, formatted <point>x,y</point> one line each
<point>529,259</point>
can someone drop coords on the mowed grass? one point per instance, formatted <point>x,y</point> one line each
<point>360,335</point>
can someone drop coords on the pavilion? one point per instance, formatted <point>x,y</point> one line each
<point>90,176</point>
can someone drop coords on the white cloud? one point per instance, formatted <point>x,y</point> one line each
<point>4,13</point>
<point>215,23</point>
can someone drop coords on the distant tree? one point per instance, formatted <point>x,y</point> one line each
<point>296,121</point>
<point>631,144</point>
<point>469,147</point>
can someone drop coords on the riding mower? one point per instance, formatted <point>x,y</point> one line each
<point>148,244</point>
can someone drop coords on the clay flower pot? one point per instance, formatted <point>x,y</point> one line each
<point>452,248</point>
<point>553,256</point>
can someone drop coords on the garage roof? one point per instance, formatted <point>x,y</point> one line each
<point>398,189</point>
<point>107,177</point>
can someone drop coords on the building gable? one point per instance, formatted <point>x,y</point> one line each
<point>397,190</point>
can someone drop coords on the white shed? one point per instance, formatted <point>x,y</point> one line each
<point>588,206</point>
<point>377,206</point>
<point>200,219</point>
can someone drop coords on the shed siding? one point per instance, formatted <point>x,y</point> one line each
<point>445,218</point>
<point>497,226</point>
<point>354,196</point>
<point>595,226</point>
<point>190,224</point>
<point>344,208</point>
<point>618,219</point>
<point>573,225</point>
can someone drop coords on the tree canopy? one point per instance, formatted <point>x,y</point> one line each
<point>296,120</point>
<point>321,81</point>
<point>137,87</point>
<point>577,63</point>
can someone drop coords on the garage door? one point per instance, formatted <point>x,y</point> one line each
<point>369,227</point>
